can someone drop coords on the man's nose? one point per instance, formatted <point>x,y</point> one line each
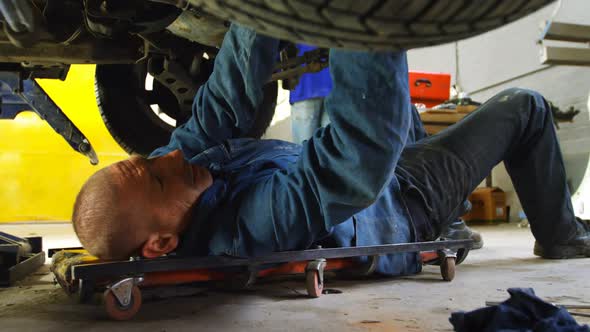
<point>172,162</point>
<point>167,162</point>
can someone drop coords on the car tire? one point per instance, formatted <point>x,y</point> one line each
<point>371,24</point>
<point>130,119</point>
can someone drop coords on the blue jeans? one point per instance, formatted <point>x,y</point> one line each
<point>307,116</point>
<point>516,127</point>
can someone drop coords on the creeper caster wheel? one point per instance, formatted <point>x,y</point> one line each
<point>313,285</point>
<point>314,277</point>
<point>122,300</point>
<point>447,268</point>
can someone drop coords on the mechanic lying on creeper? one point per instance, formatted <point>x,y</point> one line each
<point>355,182</point>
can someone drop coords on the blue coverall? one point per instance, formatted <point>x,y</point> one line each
<point>350,183</point>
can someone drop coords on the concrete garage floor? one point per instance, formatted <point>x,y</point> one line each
<point>418,303</point>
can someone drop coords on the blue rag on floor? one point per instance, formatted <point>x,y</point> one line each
<point>522,312</point>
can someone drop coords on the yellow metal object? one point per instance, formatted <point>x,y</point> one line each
<point>40,174</point>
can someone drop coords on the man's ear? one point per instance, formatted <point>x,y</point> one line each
<point>159,244</point>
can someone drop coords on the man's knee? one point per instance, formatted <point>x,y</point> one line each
<point>518,105</point>
<point>523,100</point>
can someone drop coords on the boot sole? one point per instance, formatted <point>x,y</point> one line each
<point>562,252</point>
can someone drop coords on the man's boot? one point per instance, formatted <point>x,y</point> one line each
<point>577,247</point>
<point>458,230</point>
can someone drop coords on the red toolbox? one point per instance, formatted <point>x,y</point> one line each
<point>429,89</point>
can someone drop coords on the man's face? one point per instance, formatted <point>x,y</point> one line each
<point>166,187</point>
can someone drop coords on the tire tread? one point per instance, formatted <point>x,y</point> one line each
<point>371,24</point>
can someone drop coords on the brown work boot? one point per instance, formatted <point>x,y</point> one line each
<point>458,230</point>
<point>577,247</point>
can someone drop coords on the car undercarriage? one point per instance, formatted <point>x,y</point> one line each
<point>151,56</point>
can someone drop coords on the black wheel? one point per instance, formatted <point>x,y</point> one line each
<point>126,107</point>
<point>461,255</point>
<point>371,24</point>
<point>141,113</point>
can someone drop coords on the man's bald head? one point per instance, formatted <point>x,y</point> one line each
<point>138,206</point>
<point>103,220</point>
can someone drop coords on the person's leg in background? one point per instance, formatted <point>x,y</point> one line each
<point>307,100</point>
<point>324,118</point>
<point>516,127</point>
<point>306,116</point>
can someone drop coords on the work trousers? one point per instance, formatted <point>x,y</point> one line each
<point>515,126</point>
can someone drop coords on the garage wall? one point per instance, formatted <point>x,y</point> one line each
<point>500,55</point>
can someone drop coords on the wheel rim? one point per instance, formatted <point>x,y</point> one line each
<point>158,102</point>
<point>165,111</point>
<point>161,105</point>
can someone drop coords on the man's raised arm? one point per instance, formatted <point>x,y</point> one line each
<point>225,106</point>
<point>344,167</point>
